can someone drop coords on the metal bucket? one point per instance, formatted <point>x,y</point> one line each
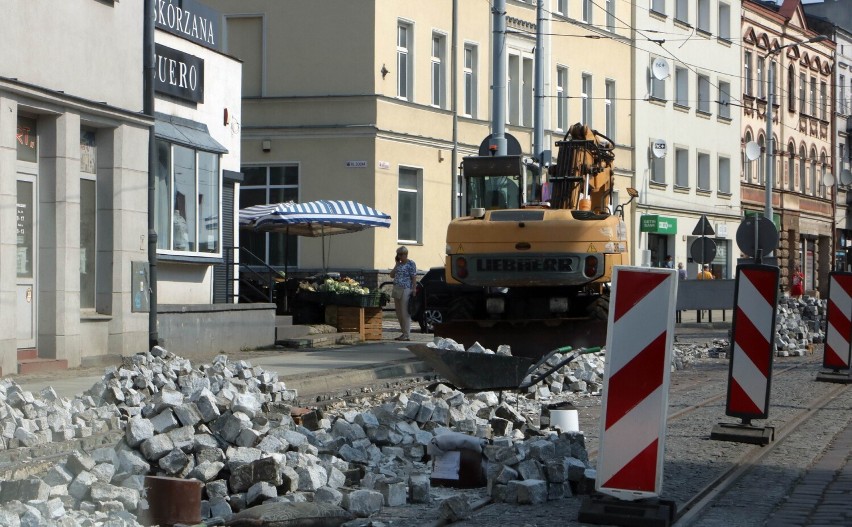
<point>172,501</point>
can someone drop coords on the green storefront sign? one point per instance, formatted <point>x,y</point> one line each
<point>658,224</point>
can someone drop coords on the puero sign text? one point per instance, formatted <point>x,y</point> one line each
<point>179,74</point>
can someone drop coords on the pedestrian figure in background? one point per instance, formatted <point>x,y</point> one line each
<point>669,263</point>
<point>404,275</point>
<point>681,272</point>
<point>705,273</point>
<point>797,283</point>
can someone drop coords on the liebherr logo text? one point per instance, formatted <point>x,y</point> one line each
<point>524,264</point>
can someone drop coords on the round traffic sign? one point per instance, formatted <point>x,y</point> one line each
<point>757,233</point>
<point>703,250</point>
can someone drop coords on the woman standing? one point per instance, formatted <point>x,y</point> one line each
<point>797,283</point>
<point>404,276</point>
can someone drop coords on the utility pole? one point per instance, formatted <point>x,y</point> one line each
<point>538,110</point>
<point>498,83</point>
<point>149,70</point>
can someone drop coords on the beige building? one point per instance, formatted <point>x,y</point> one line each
<point>379,102</point>
<point>802,134</point>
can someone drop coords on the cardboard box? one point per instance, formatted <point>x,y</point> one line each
<point>463,469</point>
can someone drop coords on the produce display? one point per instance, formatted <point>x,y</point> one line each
<point>344,286</point>
<point>342,291</point>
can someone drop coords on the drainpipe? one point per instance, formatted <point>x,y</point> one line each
<point>538,109</point>
<point>498,97</point>
<point>149,69</point>
<point>454,186</point>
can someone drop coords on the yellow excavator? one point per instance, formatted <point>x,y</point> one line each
<point>541,269</point>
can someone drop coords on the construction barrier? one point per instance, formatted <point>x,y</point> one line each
<point>750,367</point>
<point>838,331</point>
<point>636,382</point>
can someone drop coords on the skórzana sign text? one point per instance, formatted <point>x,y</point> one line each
<point>190,20</point>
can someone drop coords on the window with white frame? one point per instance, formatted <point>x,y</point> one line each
<point>587,99</point>
<point>791,89</point>
<point>761,161</point>
<point>561,7</point>
<point>803,93</point>
<point>187,209</point>
<point>703,171</point>
<point>813,97</point>
<point>657,166</point>
<point>823,190</point>
<point>657,87</point>
<point>88,218</point>
<point>470,80</point>
<point>703,22</point>
<point>841,100</point>
<point>802,174</point>
<point>587,11</point>
<point>513,90</point>
<point>704,96</point>
<point>527,92</point>
<point>724,21</point>
<point>682,10</point>
<point>404,61</point>
<point>438,67</point>
<point>658,6</point>
<point>561,98</point>
<point>408,207</point>
<point>609,106</point>
<point>724,175</point>
<point>748,166</point>
<point>724,100</point>
<point>610,15</point>
<point>681,87</point>
<point>761,81</point>
<point>263,185</point>
<point>747,74</point>
<point>823,98</point>
<point>681,167</point>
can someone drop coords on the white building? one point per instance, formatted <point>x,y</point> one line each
<point>687,129</point>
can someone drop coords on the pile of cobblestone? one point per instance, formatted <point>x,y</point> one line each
<point>799,324</point>
<point>230,426</point>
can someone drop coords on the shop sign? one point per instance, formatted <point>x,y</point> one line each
<point>179,74</point>
<point>658,224</point>
<point>27,139</point>
<point>356,164</point>
<point>190,20</point>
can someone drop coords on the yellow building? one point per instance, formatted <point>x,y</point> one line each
<point>379,101</point>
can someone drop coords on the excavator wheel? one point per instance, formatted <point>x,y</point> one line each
<point>462,308</point>
<point>599,308</point>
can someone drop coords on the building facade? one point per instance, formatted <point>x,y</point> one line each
<point>835,19</point>
<point>686,128</point>
<point>382,104</point>
<point>802,134</point>
<point>73,173</point>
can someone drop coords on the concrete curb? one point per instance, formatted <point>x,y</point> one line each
<point>339,379</point>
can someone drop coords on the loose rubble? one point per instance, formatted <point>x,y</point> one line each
<point>230,426</point>
<point>235,428</point>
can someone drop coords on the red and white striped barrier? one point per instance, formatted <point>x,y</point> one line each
<point>750,370</point>
<point>636,382</point>
<point>838,332</point>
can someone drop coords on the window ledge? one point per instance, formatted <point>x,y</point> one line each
<point>724,195</point>
<point>703,32</point>
<point>658,185</point>
<point>178,258</point>
<point>656,100</point>
<point>704,114</point>
<point>657,14</point>
<point>92,315</point>
<point>681,107</point>
<point>681,189</point>
<point>724,41</point>
<point>703,191</point>
<point>723,119</point>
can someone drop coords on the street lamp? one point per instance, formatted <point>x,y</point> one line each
<point>770,145</point>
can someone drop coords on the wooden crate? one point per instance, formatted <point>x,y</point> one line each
<point>350,320</point>
<point>372,323</point>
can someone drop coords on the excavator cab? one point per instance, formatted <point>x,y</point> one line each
<point>492,182</point>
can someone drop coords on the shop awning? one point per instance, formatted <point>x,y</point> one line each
<point>658,224</point>
<point>186,132</point>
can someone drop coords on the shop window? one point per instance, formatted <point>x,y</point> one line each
<point>187,189</point>
<point>265,185</point>
<point>88,219</point>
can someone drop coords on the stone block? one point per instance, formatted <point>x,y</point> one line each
<point>78,462</point>
<point>164,421</point>
<point>188,414</point>
<point>363,503</point>
<point>393,491</point>
<point>174,462</point>
<point>260,492</point>
<point>24,490</point>
<point>455,509</point>
<point>79,488</point>
<point>156,447</point>
<point>328,495</point>
<point>419,488</point>
<point>311,477</point>
<point>530,491</point>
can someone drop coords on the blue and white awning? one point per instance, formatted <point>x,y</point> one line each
<point>314,218</point>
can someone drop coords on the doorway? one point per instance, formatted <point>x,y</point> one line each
<point>27,243</point>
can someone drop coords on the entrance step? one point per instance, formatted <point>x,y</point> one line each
<point>320,340</point>
<point>27,353</point>
<point>27,366</point>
